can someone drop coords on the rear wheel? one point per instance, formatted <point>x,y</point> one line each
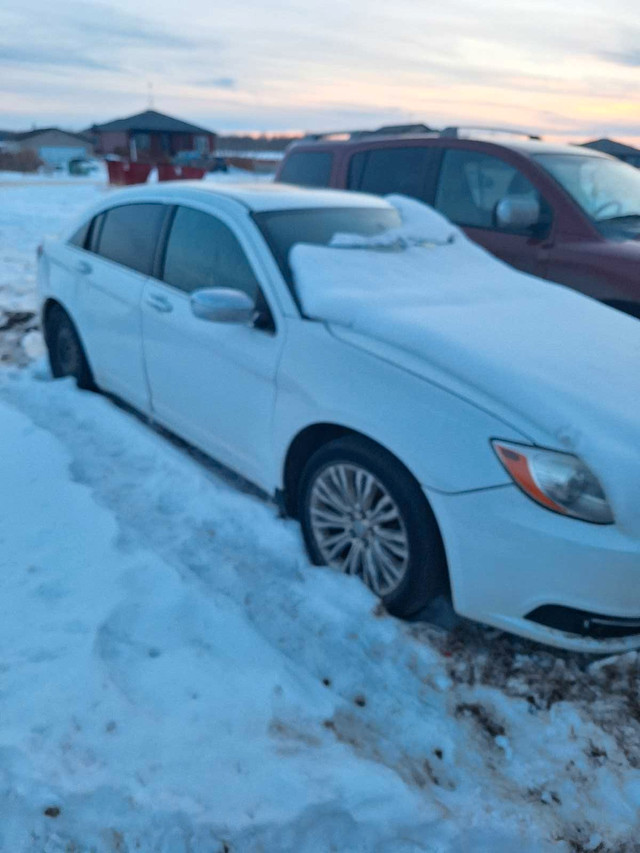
<point>66,354</point>
<point>364,514</point>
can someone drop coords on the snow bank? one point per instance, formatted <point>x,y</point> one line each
<point>175,676</point>
<point>563,362</point>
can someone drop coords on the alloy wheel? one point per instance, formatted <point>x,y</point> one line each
<point>358,527</point>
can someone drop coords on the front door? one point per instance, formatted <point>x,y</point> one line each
<point>212,383</point>
<point>470,185</point>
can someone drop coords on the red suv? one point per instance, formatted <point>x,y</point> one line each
<point>565,213</point>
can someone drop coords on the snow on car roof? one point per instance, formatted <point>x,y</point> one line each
<point>259,196</point>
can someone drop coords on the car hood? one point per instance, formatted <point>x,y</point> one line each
<point>560,361</point>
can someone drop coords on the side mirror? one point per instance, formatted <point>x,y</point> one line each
<point>517,212</point>
<point>223,305</point>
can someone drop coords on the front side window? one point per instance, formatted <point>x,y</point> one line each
<point>203,252</point>
<point>471,184</point>
<point>605,189</point>
<point>129,235</point>
<point>79,239</point>
<point>307,168</point>
<point>392,170</point>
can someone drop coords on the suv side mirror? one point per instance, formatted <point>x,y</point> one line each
<point>223,305</point>
<point>517,212</point>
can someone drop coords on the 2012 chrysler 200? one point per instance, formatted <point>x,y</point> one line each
<point>436,420</point>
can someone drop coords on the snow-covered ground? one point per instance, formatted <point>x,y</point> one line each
<point>175,677</point>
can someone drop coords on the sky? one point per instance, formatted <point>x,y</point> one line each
<point>568,70</point>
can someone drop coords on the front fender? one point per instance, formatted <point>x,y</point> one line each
<point>440,437</point>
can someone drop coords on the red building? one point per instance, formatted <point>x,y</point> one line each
<point>151,137</point>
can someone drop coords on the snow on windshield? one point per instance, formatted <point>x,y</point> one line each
<point>434,263</point>
<point>421,226</point>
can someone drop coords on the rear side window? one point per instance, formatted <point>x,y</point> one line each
<point>393,170</point>
<point>79,239</point>
<point>129,235</point>
<point>203,252</point>
<point>307,168</point>
<point>472,183</point>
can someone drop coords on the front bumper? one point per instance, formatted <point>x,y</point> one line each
<point>510,559</point>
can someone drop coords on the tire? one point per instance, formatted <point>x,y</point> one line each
<point>66,353</point>
<point>406,536</point>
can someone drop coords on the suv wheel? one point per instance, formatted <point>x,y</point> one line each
<point>364,514</point>
<point>66,355</point>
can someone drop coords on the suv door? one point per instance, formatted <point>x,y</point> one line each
<point>123,242</point>
<point>213,383</point>
<point>470,186</point>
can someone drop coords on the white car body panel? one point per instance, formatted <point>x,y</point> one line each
<point>108,311</point>
<point>348,387</point>
<point>243,395</point>
<point>212,383</point>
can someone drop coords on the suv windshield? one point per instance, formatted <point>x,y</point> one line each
<point>606,189</point>
<point>282,229</point>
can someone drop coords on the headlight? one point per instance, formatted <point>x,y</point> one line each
<point>558,481</point>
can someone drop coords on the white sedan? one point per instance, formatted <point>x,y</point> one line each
<point>438,422</point>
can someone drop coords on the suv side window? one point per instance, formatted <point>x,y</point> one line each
<point>472,183</point>
<point>404,170</point>
<point>129,235</point>
<point>203,252</point>
<point>307,168</point>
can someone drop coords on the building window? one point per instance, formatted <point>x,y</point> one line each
<point>142,141</point>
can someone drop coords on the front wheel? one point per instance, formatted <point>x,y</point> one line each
<point>364,514</point>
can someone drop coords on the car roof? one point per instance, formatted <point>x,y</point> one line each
<point>259,196</point>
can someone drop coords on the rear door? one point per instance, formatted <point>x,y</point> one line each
<point>122,244</point>
<point>469,187</point>
<point>212,383</point>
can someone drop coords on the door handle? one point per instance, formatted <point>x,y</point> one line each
<point>84,267</point>
<point>159,303</point>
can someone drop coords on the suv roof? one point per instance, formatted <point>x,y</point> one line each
<point>520,141</point>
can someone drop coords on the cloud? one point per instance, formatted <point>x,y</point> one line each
<point>218,83</point>
<point>628,58</point>
<point>115,26</point>
<point>301,64</point>
<point>33,55</point>
<point>94,36</point>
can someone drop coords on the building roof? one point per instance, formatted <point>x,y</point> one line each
<point>262,196</point>
<point>610,146</point>
<point>27,134</point>
<point>150,121</point>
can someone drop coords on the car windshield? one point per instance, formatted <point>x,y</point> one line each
<point>282,229</point>
<point>605,189</point>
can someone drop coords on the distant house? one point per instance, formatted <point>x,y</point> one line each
<point>151,136</point>
<point>627,153</point>
<point>53,146</point>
